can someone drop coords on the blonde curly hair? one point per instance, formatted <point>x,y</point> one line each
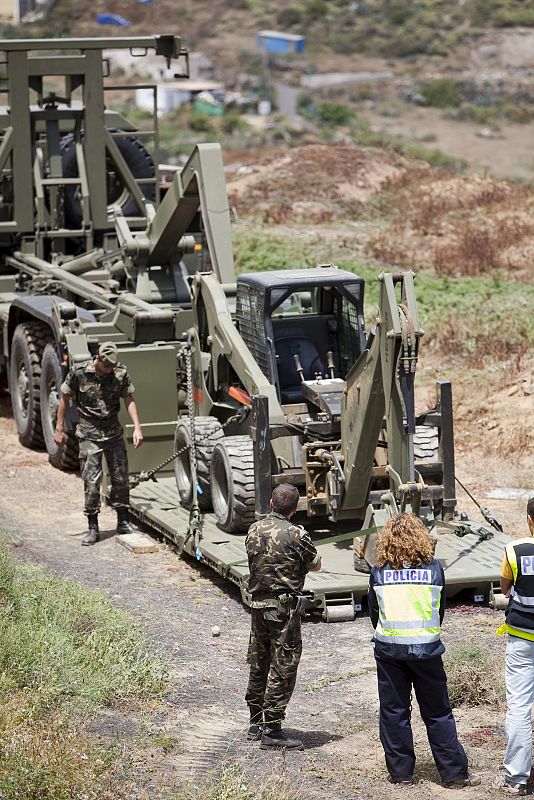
<point>404,542</point>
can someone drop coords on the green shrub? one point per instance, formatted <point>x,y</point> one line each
<point>259,252</point>
<point>289,17</point>
<point>334,113</point>
<point>510,18</point>
<point>233,123</point>
<point>200,123</point>
<point>397,13</point>
<point>410,40</point>
<point>316,9</point>
<point>442,93</point>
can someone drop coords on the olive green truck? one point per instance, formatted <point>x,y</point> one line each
<point>242,383</point>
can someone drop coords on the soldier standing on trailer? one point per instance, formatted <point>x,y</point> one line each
<point>406,606</point>
<point>279,555</point>
<point>97,387</point>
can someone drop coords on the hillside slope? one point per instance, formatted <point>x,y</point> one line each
<point>415,216</point>
<point>336,33</point>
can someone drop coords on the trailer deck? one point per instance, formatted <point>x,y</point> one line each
<point>337,588</point>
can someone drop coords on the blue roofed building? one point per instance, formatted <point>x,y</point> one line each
<point>277,42</point>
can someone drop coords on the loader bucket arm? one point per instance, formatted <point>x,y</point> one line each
<point>380,386</point>
<point>226,342</point>
<point>201,178</point>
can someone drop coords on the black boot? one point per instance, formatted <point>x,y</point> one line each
<point>123,521</point>
<point>274,737</point>
<point>93,534</point>
<point>255,729</point>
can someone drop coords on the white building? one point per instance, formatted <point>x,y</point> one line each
<point>173,94</point>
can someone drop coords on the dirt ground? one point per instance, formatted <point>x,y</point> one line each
<point>201,723</point>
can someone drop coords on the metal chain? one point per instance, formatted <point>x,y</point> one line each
<point>191,416</point>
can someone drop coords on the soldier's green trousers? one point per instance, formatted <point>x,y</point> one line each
<point>91,454</point>
<point>273,667</point>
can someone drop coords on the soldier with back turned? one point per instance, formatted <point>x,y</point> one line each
<point>280,554</point>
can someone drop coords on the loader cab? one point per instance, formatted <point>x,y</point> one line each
<point>315,315</point>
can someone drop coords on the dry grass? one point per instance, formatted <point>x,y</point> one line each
<point>475,677</point>
<point>232,783</point>
<point>458,225</point>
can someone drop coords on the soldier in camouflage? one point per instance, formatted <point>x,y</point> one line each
<point>97,387</point>
<point>279,555</point>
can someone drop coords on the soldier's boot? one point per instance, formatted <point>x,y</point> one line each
<point>93,534</point>
<point>255,728</point>
<point>123,521</point>
<point>274,737</point>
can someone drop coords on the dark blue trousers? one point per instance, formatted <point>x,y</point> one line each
<point>427,676</point>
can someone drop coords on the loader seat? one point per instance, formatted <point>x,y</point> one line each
<point>288,377</point>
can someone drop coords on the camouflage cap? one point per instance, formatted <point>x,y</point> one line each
<point>108,350</point>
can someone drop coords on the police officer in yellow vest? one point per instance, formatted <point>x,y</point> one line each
<point>406,605</point>
<point>517,581</point>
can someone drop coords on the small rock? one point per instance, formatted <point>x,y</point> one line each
<point>512,390</point>
<point>215,631</point>
<point>528,388</point>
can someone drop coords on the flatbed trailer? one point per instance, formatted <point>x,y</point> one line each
<point>338,591</point>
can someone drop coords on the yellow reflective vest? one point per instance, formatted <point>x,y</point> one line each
<point>409,604</point>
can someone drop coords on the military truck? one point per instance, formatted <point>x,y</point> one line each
<point>242,384</point>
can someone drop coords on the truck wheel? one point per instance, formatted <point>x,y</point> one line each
<point>208,431</point>
<point>139,162</point>
<point>425,442</point>
<point>66,457</point>
<point>28,343</point>
<point>232,483</point>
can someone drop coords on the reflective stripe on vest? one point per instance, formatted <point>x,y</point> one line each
<point>408,613</point>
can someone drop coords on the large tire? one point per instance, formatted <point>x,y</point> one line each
<point>66,457</point>
<point>208,431</point>
<point>426,445</point>
<point>139,162</point>
<point>28,343</point>
<point>232,483</point>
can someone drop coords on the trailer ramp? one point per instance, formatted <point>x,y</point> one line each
<point>471,564</point>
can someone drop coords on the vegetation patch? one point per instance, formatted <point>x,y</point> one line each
<point>474,319</point>
<point>232,783</point>
<point>474,677</point>
<point>64,652</point>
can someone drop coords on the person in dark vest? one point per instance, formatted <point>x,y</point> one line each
<point>406,605</point>
<point>517,582</point>
<point>280,554</point>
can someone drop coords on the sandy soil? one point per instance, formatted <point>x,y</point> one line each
<point>203,718</point>
<point>506,153</point>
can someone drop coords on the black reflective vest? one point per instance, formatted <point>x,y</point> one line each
<point>520,612</point>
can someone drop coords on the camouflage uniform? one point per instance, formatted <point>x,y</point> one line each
<point>279,554</point>
<point>99,431</point>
